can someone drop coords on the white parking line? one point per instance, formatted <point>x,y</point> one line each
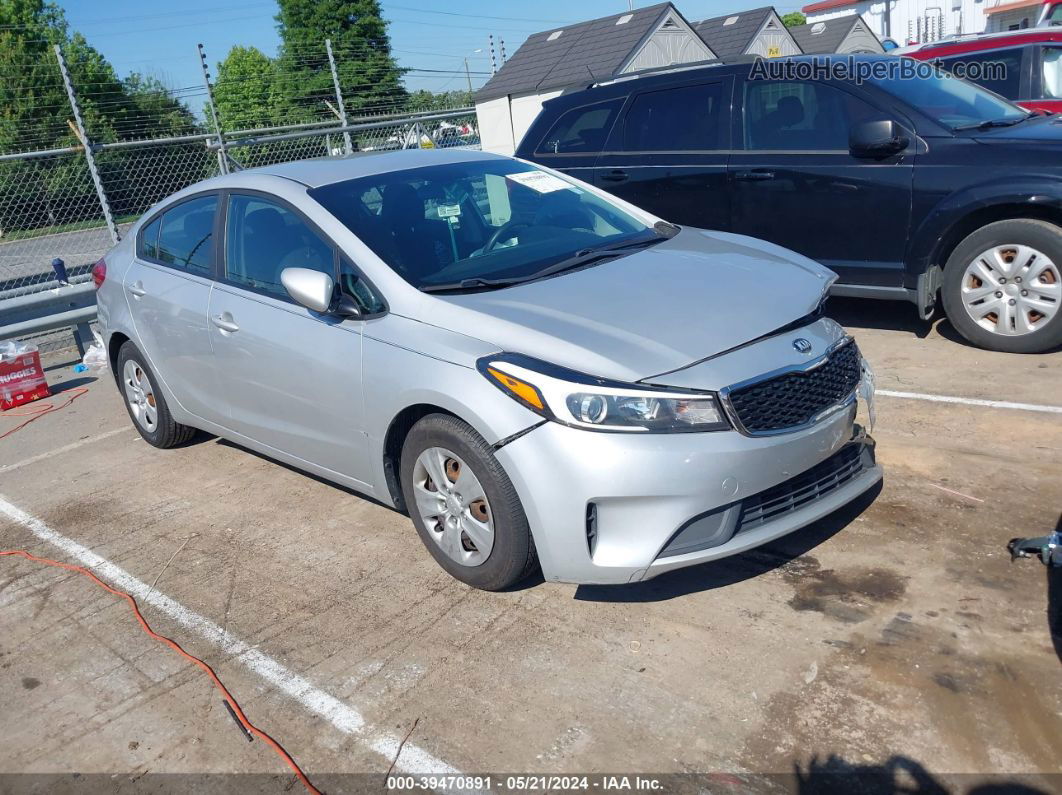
<point>343,717</point>
<point>995,404</point>
<point>65,448</point>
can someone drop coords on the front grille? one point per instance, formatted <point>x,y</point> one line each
<point>795,398</point>
<point>806,487</point>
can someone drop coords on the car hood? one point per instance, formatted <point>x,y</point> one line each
<point>650,312</point>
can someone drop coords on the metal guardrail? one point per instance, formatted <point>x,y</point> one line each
<point>62,307</point>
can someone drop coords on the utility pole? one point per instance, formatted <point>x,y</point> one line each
<point>348,146</point>
<point>468,78</point>
<point>90,158</point>
<point>223,156</point>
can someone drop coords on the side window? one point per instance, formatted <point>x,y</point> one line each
<point>801,116</point>
<point>263,237</point>
<point>186,237</point>
<point>351,284</point>
<point>675,119</point>
<point>147,244</point>
<point>581,129</point>
<point>998,71</point>
<point>1052,69</point>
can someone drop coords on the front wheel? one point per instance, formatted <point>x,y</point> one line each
<point>1002,286</point>
<point>464,506</point>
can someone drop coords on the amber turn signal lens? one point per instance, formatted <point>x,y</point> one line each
<point>519,389</point>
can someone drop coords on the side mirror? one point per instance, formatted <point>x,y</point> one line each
<point>312,289</point>
<point>877,139</point>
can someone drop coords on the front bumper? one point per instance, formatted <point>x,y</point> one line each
<point>620,507</point>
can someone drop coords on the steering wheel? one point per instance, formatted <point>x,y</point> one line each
<point>504,232</point>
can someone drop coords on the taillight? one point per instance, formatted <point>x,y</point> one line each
<point>99,273</point>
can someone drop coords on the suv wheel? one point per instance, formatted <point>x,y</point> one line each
<point>1002,286</point>
<point>145,403</point>
<point>464,506</point>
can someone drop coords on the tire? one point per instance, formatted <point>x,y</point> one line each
<point>1006,253</point>
<point>145,403</point>
<point>461,452</point>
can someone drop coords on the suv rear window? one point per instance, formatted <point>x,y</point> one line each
<point>674,119</point>
<point>581,129</point>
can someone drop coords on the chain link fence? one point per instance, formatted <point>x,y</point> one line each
<point>50,207</point>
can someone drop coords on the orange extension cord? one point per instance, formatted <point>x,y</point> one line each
<point>40,409</point>
<point>234,707</point>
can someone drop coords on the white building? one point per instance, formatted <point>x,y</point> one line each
<point>908,21</point>
<point>1004,15</point>
<point>571,58</point>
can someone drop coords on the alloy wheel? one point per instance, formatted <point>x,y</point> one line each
<point>453,505</point>
<point>140,396</point>
<point>1012,290</point>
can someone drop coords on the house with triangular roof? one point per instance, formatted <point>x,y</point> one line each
<point>555,61</point>
<point>759,31</point>
<point>846,35</point>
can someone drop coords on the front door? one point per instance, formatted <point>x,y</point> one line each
<point>291,377</point>
<point>668,154</point>
<point>795,183</point>
<point>168,289</point>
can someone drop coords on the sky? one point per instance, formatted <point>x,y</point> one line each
<point>153,38</point>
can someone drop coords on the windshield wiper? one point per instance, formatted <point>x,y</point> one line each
<point>591,255</point>
<point>984,125</point>
<point>474,283</point>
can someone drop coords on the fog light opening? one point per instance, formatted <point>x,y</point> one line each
<point>591,527</point>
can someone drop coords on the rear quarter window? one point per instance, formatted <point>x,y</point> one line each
<point>581,129</point>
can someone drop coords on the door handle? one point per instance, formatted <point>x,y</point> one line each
<point>753,176</point>
<point>615,175</point>
<point>223,323</point>
<point>137,289</point>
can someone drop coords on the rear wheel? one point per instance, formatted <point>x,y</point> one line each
<point>1002,286</point>
<point>145,403</point>
<point>464,506</point>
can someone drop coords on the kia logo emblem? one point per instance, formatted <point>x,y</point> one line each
<point>802,345</point>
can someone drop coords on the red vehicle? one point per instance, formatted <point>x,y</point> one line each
<point>1051,14</point>
<point>1032,57</point>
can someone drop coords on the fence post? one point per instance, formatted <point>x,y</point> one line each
<point>223,156</point>
<point>339,97</point>
<point>90,158</point>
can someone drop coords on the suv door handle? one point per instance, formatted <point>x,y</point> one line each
<point>137,289</point>
<point>224,323</point>
<point>615,175</point>
<point>753,176</point>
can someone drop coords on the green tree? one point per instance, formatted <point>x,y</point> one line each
<point>247,92</point>
<point>370,78</point>
<point>794,18</point>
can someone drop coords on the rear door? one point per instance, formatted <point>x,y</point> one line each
<point>168,290</point>
<point>795,183</point>
<point>291,377</point>
<point>668,153</point>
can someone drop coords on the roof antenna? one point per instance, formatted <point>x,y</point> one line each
<point>591,71</point>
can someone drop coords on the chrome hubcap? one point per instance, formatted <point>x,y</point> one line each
<point>1012,290</point>
<point>453,505</point>
<point>140,396</point>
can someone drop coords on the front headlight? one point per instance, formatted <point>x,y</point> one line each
<point>583,401</point>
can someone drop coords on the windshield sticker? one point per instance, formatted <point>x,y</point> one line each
<point>540,181</point>
<point>449,210</point>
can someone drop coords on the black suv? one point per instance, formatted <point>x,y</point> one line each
<point>905,186</point>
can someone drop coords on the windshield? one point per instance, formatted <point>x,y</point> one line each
<point>953,102</point>
<point>490,220</point>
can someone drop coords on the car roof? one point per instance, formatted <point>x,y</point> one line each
<point>329,170</point>
<point>626,84</point>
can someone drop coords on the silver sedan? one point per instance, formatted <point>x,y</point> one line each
<point>540,374</point>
